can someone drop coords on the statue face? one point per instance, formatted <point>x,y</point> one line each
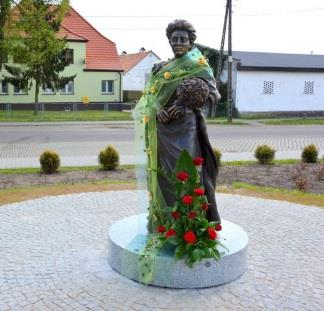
<point>180,43</point>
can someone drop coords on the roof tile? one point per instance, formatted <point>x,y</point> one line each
<point>101,53</point>
<point>128,61</point>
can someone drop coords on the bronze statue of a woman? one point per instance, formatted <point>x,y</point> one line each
<point>172,120</point>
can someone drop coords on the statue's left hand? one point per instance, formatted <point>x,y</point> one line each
<point>175,111</point>
<point>163,116</point>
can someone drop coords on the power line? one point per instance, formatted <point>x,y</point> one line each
<point>153,29</point>
<point>207,15</point>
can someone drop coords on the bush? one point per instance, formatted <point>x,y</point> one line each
<point>49,161</point>
<point>218,155</point>
<point>109,158</point>
<point>310,154</point>
<point>264,154</point>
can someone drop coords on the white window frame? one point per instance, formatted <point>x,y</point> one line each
<point>20,92</point>
<point>1,88</point>
<point>65,90</point>
<point>105,89</point>
<point>48,91</point>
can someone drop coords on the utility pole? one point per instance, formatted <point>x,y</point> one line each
<point>220,59</point>
<point>229,65</point>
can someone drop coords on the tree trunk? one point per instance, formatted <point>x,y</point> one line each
<point>36,97</point>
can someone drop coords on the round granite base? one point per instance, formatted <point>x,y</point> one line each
<point>127,238</point>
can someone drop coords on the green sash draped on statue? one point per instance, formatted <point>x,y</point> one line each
<point>158,91</point>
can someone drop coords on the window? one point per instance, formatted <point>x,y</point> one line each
<point>68,88</point>
<point>18,91</point>
<point>3,87</point>
<point>268,87</point>
<point>67,56</point>
<point>107,86</point>
<point>309,87</point>
<point>48,91</point>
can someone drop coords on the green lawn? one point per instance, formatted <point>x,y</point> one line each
<point>35,170</point>
<point>223,121</point>
<point>294,121</point>
<point>90,115</point>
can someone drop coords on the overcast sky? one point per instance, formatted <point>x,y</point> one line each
<point>287,26</point>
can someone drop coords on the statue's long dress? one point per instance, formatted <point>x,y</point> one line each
<point>188,132</point>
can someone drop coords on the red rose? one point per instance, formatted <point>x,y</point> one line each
<point>187,199</point>
<point>212,233</point>
<point>192,215</point>
<point>190,237</point>
<point>204,206</point>
<point>176,215</point>
<point>170,233</point>
<point>198,161</point>
<point>218,227</point>
<point>160,229</point>
<point>199,191</point>
<point>182,176</point>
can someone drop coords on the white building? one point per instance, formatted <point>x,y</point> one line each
<point>265,82</point>
<point>137,67</point>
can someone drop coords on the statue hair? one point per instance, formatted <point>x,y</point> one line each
<point>181,24</point>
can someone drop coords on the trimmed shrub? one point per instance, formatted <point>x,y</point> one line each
<point>264,154</point>
<point>310,154</point>
<point>218,155</point>
<point>109,158</point>
<point>49,161</point>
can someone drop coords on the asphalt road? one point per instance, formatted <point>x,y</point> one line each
<point>125,133</point>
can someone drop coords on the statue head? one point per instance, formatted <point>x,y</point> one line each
<point>181,35</point>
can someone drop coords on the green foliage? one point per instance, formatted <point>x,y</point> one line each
<point>212,56</point>
<point>264,154</point>
<point>310,154</point>
<point>4,13</point>
<point>109,158</point>
<point>49,161</point>
<point>221,110</point>
<point>222,88</point>
<point>39,50</point>
<point>218,155</point>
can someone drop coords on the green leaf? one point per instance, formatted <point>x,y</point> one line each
<point>184,163</point>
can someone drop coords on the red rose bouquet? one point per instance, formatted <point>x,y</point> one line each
<point>187,227</point>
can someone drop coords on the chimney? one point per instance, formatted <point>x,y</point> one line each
<point>142,49</point>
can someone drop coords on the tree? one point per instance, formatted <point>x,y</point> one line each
<point>4,13</point>
<point>33,43</point>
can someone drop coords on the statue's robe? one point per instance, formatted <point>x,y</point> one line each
<point>189,132</point>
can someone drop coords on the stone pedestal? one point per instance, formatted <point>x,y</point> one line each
<point>127,238</point>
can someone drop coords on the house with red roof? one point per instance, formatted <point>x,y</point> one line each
<point>94,60</point>
<point>137,68</point>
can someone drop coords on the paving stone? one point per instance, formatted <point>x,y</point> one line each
<point>54,250</point>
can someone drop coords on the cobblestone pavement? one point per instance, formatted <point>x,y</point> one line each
<point>53,257</point>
